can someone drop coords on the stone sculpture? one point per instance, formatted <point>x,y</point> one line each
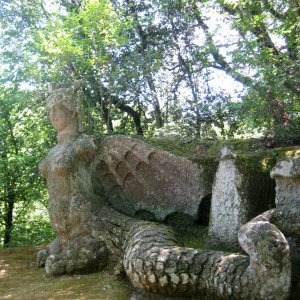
<point>144,181</point>
<point>91,234</point>
<point>71,202</point>
<point>287,213</point>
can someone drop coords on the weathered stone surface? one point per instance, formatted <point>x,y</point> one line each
<point>154,262</point>
<point>137,178</point>
<point>236,199</point>
<point>287,213</point>
<point>287,168</point>
<point>41,258</point>
<point>91,234</point>
<point>76,214</point>
<point>287,176</point>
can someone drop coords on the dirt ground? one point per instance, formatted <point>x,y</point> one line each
<point>20,279</point>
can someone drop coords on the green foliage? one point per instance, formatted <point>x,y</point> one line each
<point>158,60</point>
<point>23,139</point>
<point>267,44</point>
<point>193,236</point>
<point>80,43</point>
<point>150,67</point>
<point>32,229</point>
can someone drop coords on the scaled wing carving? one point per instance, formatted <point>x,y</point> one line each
<point>140,179</point>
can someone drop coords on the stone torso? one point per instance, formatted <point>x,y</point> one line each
<point>67,171</point>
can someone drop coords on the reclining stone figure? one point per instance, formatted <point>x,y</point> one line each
<point>92,235</point>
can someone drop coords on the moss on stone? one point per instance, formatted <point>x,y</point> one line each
<point>210,148</point>
<point>257,185</point>
<point>176,145</point>
<point>194,236</point>
<point>262,160</point>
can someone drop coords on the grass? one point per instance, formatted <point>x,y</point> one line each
<point>192,236</point>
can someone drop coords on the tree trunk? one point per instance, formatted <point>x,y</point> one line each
<point>276,107</point>
<point>107,119</point>
<point>134,114</point>
<point>118,103</point>
<point>147,70</point>
<point>277,110</point>
<point>158,118</point>
<point>11,194</point>
<point>198,123</point>
<point>9,219</point>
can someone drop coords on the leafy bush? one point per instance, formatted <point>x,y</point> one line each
<point>32,230</point>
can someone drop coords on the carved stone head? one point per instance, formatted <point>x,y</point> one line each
<point>64,109</point>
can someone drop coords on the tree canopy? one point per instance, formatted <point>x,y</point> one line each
<point>213,68</point>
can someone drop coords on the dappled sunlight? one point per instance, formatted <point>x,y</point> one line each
<point>3,272</point>
<point>292,153</point>
<point>20,279</point>
<point>265,164</point>
<point>4,267</point>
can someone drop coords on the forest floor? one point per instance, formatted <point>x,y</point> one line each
<point>21,279</point>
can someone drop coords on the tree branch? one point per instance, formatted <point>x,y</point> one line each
<point>224,65</point>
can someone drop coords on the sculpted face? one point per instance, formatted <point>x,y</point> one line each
<point>60,117</point>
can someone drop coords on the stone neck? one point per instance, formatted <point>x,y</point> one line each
<point>66,137</point>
